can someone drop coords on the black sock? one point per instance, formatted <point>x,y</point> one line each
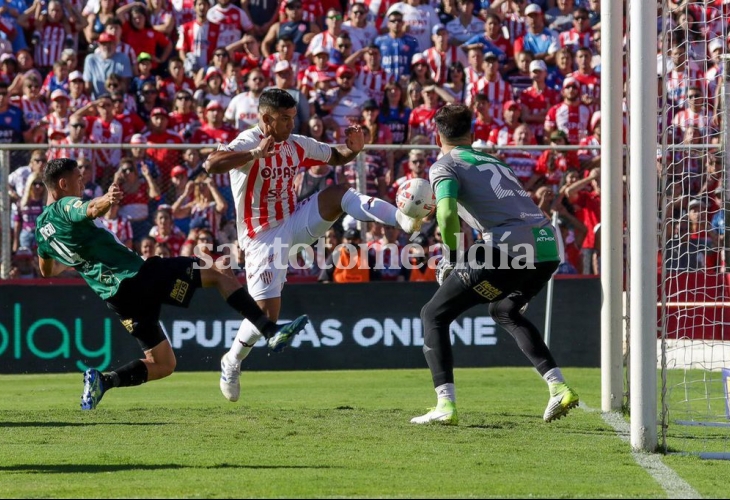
<point>110,380</point>
<point>242,302</point>
<point>131,374</point>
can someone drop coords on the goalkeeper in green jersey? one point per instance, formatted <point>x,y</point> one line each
<point>70,236</point>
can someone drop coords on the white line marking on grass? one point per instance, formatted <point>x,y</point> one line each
<point>673,485</point>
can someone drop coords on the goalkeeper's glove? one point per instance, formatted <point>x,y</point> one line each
<point>443,269</point>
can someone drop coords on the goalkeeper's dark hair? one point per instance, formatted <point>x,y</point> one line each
<point>55,169</point>
<point>454,122</point>
<point>275,100</point>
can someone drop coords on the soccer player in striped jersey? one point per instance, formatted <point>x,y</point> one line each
<point>268,217</point>
<point>70,235</point>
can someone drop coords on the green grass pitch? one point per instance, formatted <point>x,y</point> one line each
<point>320,435</point>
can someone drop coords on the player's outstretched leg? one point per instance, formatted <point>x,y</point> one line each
<point>335,200</point>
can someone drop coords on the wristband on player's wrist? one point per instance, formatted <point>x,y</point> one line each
<point>257,153</point>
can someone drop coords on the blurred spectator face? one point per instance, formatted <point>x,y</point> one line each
<point>372,58</point>
<point>107,5</point>
<point>522,135</point>
<point>215,117</point>
<point>201,8</point>
<point>331,240</point>
<point>294,11</point>
<point>220,58</point>
<point>205,242</point>
<point>76,87</point>
<point>430,97</point>
<point>571,177</point>
<point>55,11</point>
<point>163,219</point>
<point>334,20</point>
<point>256,81</point>
<point>138,18</point>
<point>566,5</point>
<point>86,171</point>
<point>31,89</point>
<point>117,104</point>
<point>107,49</point>
<point>358,15</point>
<point>417,162</point>
<point>482,107</point>
<point>113,85</point>
<point>285,48</point>
<point>344,46</point>
<point>345,81</point>
<point>104,107</point>
<point>183,102</point>
<point>492,65</point>
<point>60,106</point>
<point>37,161</point>
<point>114,30</point>
<point>512,114</point>
<point>466,7</point>
<point>414,94</point>
<point>191,157</point>
<point>149,93</point>
<point>564,60</point>
<point>23,265</point>
<point>523,61</point>
<point>571,92</point>
<point>177,68</point>
<point>61,71</point>
<point>215,83</point>
<point>158,122</point>
<point>420,69</point>
<point>580,21</point>
<point>321,60</point>
<point>679,56</point>
<point>538,75</point>
<point>162,250</point>
<point>250,44</point>
<point>145,66</point>
<point>391,234</point>
<point>316,127</point>
<point>476,59</point>
<point>584,57</point>
<point>694,99</point>
<point>77,127</point>
<point>147,248</point>
<point>283,78</point>
<point>128,173</point>
<point>25,60</point>
<point>441,40</point>
<point>69,59</point>
<point>492,27</point>
<point>396,27</point>
<point>535,22</point>
<point>595,5</point>
<point>692,135</point>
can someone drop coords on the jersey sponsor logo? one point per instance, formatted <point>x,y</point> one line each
<point>179,291</point>
<point>78,203</point>
<point>128,324</point>
<point>267,277</point>
<point>278,172</point>
<point>48,230</point>
<point>487,290</point>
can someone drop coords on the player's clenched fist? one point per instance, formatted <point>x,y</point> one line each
<point>115,194</point>
<point>265,149</point>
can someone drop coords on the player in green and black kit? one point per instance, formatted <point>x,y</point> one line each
<point>68,235</point>
<point>519,256</point>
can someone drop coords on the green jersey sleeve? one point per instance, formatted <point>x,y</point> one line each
<point>73,209</point>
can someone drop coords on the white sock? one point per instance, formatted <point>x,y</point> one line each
<point>367,208</point>
<point>246,337</point>
<point>446,391</point>
<point>554,376</point>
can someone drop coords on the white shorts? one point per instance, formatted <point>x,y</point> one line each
<point>267,253</point>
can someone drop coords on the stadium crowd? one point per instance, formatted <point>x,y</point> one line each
<point>190,72</point>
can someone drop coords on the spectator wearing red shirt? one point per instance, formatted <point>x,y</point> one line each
<point>119,226</point>
<point>492,84</point>
<point>164,231</point>
<point>503,135</point>
<point>175,82</point>
<point>214,130</point>
<point>416,168</point>
<point>102,127</point>
<point>585,195</point>
<point>483,123</point>
<point>537,100</point>
<point>139,33</point>
<point>57,120</point>
<point>76,135</point>
<point>571,116</point>
<point>421,121</point>
<point>521,161</point>
<point>198,39</point>
<point>552,164</point>
<point>589,80</point>
<point>183,120</point>
<point>130,120</point>
<point>76,87</point>
<point>158,134</point>
<point>233,22</point>
<point>54,28</point>
<point>322,67</point>
<point>139,189</point>
<point>580,35</point>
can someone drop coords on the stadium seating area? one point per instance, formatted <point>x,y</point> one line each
<point>190,72</point>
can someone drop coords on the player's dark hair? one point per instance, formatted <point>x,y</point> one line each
<point>454,122</point>
<point>275,100</point>
<point>55,169</point>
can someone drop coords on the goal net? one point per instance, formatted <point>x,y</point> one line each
<point>694,285</point>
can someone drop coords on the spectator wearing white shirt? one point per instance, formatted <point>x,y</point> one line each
<point>348,100</point>
<point>419,20</point>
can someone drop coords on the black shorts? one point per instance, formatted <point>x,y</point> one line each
<point>491,283</point>
<point>159,281</point>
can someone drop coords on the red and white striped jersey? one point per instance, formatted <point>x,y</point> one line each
<point>179,121</point>
<point>575,40</point>
<point>440,62</point>
<point>377,10</point>
<point>372,82</point>
<point>298,63</point>
<point>264,189</point>
<point>102,132</point>
<point>161,17</point>
<point>312,10</point>
<point>537,101</point>
<point>33,111</point>
<point>498,92</point>
<point>678,83</point>
<point>233,23</point>
<point>49,49</point>
<point>199,39</point>
<point>243,111</point>
<point>73,153</point>
<point>589,154</point>
<point>573,120</point>
<point>79,102</point>
<point>521,162</point>
<point>326,40</point>
<point>119,227</point>
<point>590,86</point>
<point>471,77</point>
<point>183,10</point>
<point>310,76</point>
<point>501,136</point>
<point>57,127</point>
<point>689,118</point>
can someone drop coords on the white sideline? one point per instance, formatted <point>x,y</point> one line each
<point>673,485</point>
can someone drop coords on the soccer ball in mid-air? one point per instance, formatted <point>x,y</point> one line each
<point>415,198</point>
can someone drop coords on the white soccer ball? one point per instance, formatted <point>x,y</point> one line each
<point>415,198</point>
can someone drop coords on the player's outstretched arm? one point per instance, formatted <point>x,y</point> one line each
<point>101,205</point>
<point>220,162</point>
<point>354,143</point>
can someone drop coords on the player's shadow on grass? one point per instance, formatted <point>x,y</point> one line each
<point>75,424</point>
<point>94,469</point>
